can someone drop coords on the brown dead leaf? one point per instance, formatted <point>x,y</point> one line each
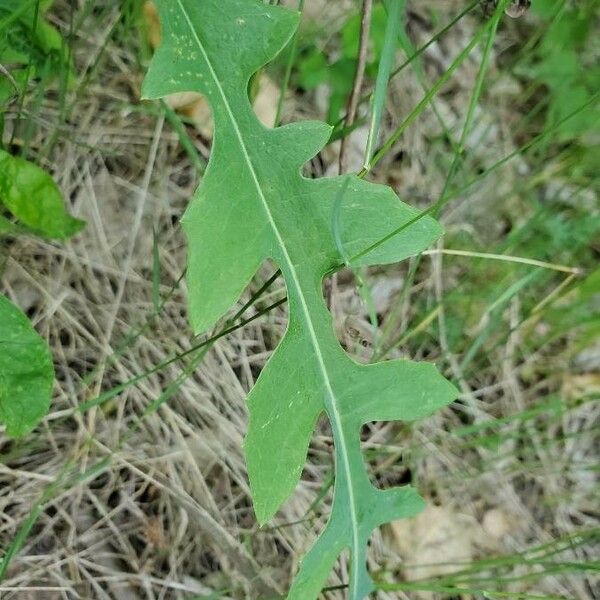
<point>434,543</point>
<point>154,533</point>
<point>150,15</point>
<point>579,385</point>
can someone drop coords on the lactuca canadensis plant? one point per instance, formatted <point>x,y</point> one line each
<point>254,204</point>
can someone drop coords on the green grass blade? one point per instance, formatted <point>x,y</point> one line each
<point>392,29</point>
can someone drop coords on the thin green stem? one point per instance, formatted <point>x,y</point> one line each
<point>383,74</point>
<point>474,100</point>
<point>418,109</point>
<point>288,71</point>
<point>418,53</point>
<point>444,199</point>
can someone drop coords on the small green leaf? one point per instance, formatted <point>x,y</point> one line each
<point>28,41</point>
<point>313,70</point>
<point>26,372</point>
<point>43,37</point>
<point>31,195</point>
<point>6,227</point>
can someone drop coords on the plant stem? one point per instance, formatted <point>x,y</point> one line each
<point>383,74</point>
<point>359,76</point>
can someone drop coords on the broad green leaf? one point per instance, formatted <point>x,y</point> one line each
<point>253,204</point>
<point>31,195</point>
<point>26,372</point>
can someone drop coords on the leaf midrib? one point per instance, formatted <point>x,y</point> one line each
<point>335,416</point>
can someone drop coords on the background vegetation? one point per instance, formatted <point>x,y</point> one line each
<point>134,486</point>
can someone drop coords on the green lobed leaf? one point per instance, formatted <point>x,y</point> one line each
<point>31,196</point>
<point>253,204</point>
<point>26,372</point>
